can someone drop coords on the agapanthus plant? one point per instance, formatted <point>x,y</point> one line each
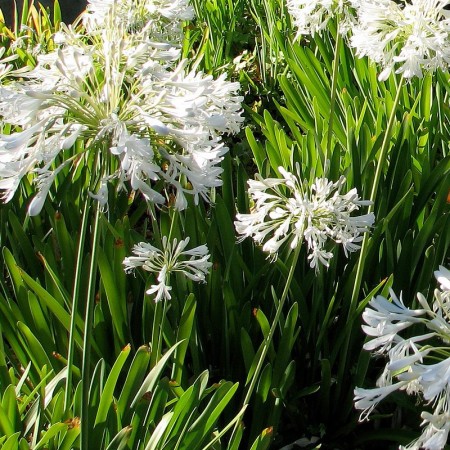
<point>126,96</point>
<point>173,257</point>
<point>290,210</point>
<point>411,36</point>
<point>419,364</point>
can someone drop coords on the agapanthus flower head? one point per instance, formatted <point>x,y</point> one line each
<point>410,36</point>
<point>158,21</point>
<point>415,364</point>
<point>312,16</point>
<point>289,210</point>
<point>127,98</point>
<point>171,258</point>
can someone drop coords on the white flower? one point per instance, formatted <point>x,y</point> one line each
<point>418,367</point>
<point>385,319</point>
<point>287,210</point>
<point>435,378</point>
<point>368,399</point>
<point>153,22</point>
<point>312,16</point>
<point>113,88</point>
<point>443,277</point>
<point>435,434</point>
<point>412,36</point>
<point>194,263</point>
<point>102,193</point>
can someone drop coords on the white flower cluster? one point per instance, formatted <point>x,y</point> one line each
<point>285,209</point>
<point>122,88</point>
<point>312,16</point>
<point>411,34</point>
<point>157,22</point>
<point>194,263</point>
<point>408,36</point>
<point>406,369</point>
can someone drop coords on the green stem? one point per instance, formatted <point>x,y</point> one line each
<point>334,76</point>
<point>88,328</point>
<point>160,312</point>
<point>157,325</point>
<point>364,247</point>
<point>74,312</point>
<point>269,337</point>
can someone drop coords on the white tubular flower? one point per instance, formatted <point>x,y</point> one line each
<point>102,193</point>
<point>435,434</point>
<point>443,277</point>
<point>412,362</point>
<point>195,107</point>
<point>286,209</point>
<point>312,16</point>
<point>435,378</point>
<point>368,399</point>
<point>412,36</point>
<point>200,166</point>
<point>385,319</point>
<point>193,264</point>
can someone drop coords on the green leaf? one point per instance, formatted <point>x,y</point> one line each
<point>24,242</point>
<point>154,442</point>
<point>184,335</point>
<point>6,426</point>
<point>54,306</point>
<point>9,405</point>
<point>133,382</point>
<point>257,149</point>
<point>186,409</point>
<point>110,386</point>
<point>287,341</point>
<point>120,439</point>
<point>203,426</point>
<point>12,443</point>
<point>264,440</point>
<point>35,350</point>
<point>248,351</point>
<point>153,377</point>
<point>53,431</point>
<point>116,298</point>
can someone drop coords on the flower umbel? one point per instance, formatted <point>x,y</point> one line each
<point>312,16</point>
<point>173,257</point>
<point>413,365</point>
<point>287,209</point>
<point>122,88</point>
<point>413,35</point>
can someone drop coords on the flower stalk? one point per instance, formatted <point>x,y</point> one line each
<point>373,195</point>
<point>75,303</point>
<point>269,338</point>
<point>364,247</point>
<point>88,329</point>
